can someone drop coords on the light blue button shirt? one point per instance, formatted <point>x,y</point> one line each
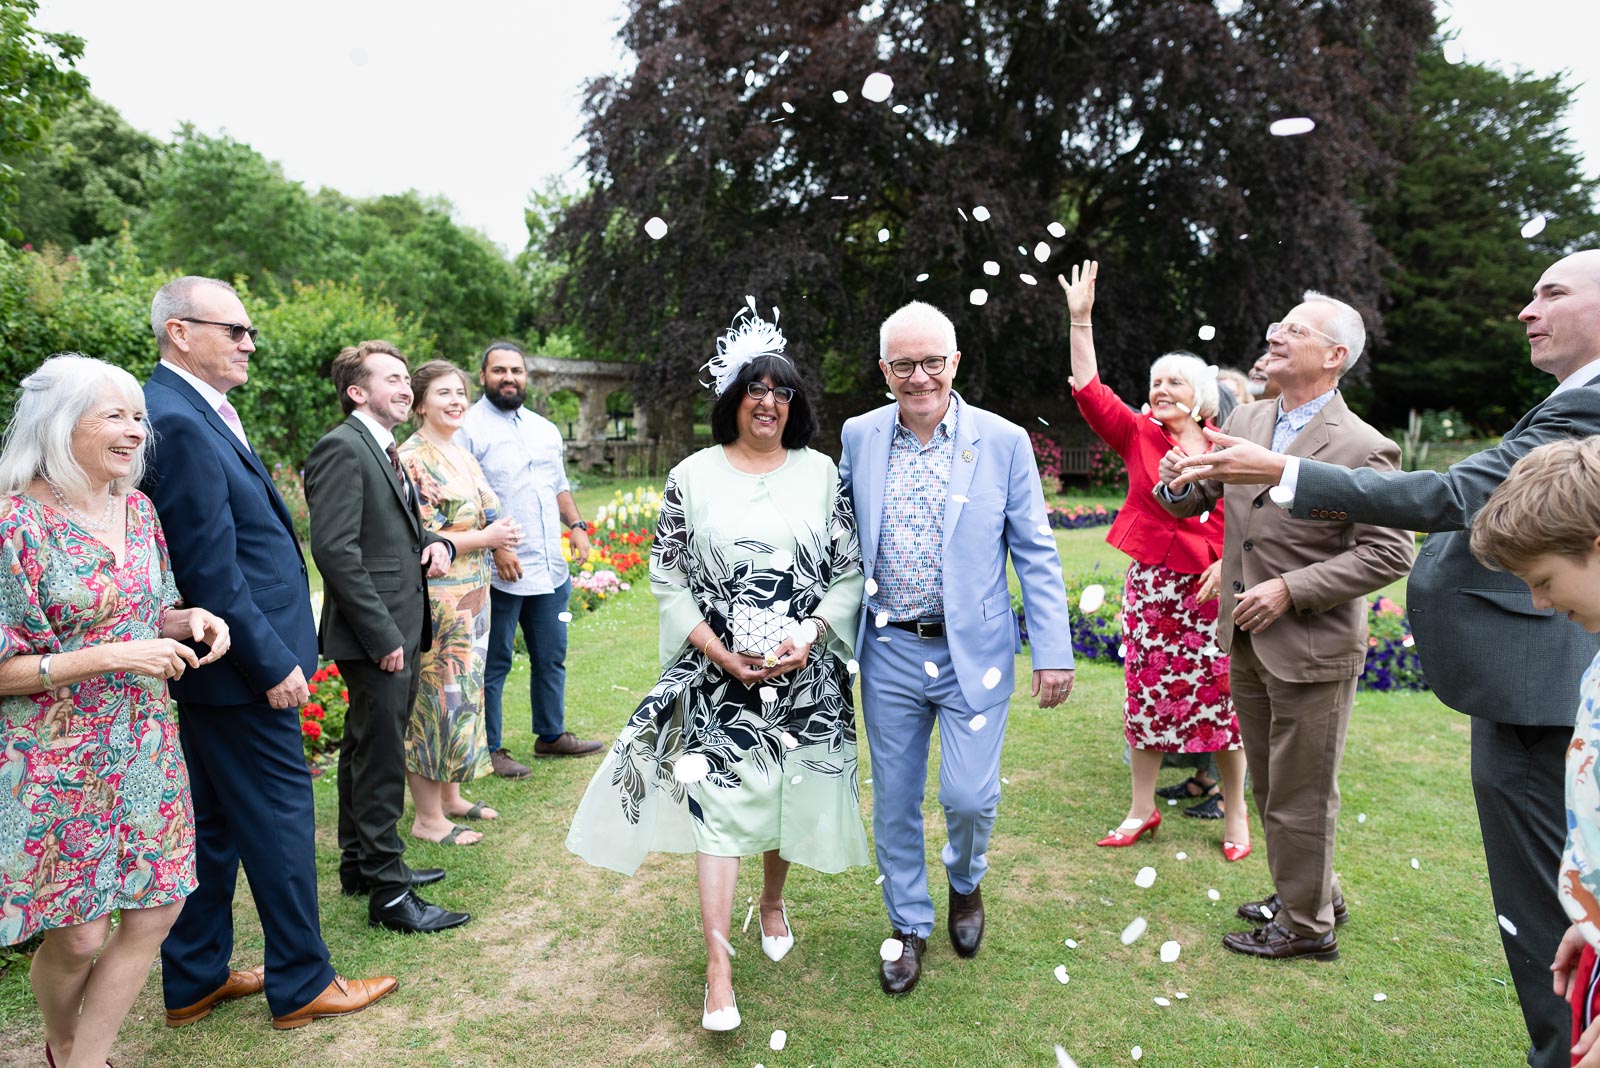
<point>909,570</point>
<point>524,459</point>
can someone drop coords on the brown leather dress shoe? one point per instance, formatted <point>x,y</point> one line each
<point>567,745</point>
<point>506,766</point>
<point>1276,942</point>
<point>900,976</point>
<point>341,998</point>
<point>1257,911</point>
<point>965,921</point>
<point>238,985</point>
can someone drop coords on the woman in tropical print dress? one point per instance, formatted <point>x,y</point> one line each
<point>747,744</point>
<point>95,813</point>
<point>1178,694</point>
<point>446,740</point>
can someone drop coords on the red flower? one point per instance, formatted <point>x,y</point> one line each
<point>317,676</point>
<point>1207,694</point>
<point>1180,688</point>
<point>333,671</point>
<point>313,710</point>
<point>344,695</point>
<point>311,729</point>
<point>1150,676</point>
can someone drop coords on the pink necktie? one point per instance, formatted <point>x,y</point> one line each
<point>231,417</point>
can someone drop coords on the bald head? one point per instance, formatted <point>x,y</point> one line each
<point>1563,319</point>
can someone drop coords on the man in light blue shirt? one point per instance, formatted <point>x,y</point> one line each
<point>522,456</point>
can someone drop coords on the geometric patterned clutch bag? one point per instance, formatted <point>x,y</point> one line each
<point>757,631</point>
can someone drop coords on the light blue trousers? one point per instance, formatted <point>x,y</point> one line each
<point>900,703</point>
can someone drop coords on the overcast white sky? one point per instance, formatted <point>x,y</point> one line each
<point>478,99</point>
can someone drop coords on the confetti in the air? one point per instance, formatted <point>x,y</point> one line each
<point>1146,878</point>
<point>878,881</point>
<point>1005,781</point>
<point>1454,53</point>
<point>854,668</point>
<point>1041,251</point>
<point>748,913</point>
<point>655,227</point>
<point>1205,517</point>
<point>1057,230</point>
<point>565,617</point>
<point>1509,927</point>
<point>1291,127</point>
<point>923,277</point>
<point>795,781</point>
<point>1042,420</point>
<point>840,96</point>
<point>991,268</point>
<point>877,87</point>
<point>749,77</point>
<point>1131,933</point>
<point>691,767</point>
<point>839,196</point>
<point>1092,598</point>
<point>959,499</point>
<point>881,620</point>
<point>779,1040</point>
<point>790,741</point>
<point>1207,332</point>
<point>1170,952</point>
<point>722,940</point>
<point>883,236</point>
<point>788,107</point>
<point>1061,974</point>
<point>991,678</point>
<point>978,722</point>
<point>1408,641</point>
<point>871,587</point>
<point>891,950</point>
<point>962,213</point>
<point>900,109</point>
<point>978,297</point>
<point>767,693</point>
<point>1044,528</point>
<point>1028,279</point>
<point>1534,226</point>
<point>980,213</point>
<point>931,669</point>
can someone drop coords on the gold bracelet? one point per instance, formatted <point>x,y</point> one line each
<point>705,650</point>
<point>1090,325</point>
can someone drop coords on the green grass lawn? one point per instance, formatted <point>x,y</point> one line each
<point>568,965</point>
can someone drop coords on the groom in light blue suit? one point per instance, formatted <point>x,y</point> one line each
<point>943,491</point>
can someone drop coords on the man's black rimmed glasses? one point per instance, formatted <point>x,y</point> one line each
<point>758,390</point>
<point>236,331</point>
<point>931,366</point>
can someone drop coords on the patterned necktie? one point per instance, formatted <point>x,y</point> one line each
<point>231,417</point>
<point>399,472</point>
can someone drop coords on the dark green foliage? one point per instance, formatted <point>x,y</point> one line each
<point>37,83</point>
<point>89,180</point>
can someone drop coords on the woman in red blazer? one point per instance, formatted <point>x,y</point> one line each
<point>1178,696</point>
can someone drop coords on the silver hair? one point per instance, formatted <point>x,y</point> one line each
<point>175,300</point>
<point>1201,376</point>
<point>917,313</point>
<point>50,404</point>
<point>1344,326</point>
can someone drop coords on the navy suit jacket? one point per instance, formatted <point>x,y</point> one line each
<point>232,543</point>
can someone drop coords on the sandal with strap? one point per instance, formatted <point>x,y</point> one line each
<point>1180,790</point>
<point>474,813</point>
<point>1209,809</point>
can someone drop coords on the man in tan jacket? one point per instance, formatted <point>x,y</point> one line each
<point>1294,618</point>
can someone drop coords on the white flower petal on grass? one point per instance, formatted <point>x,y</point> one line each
<point>749,912</point>
<point>1091,598</point>
<point>565,617</point>
<point>691,767</point>
<point>1509,927</point>
<point>1380,996</point>
<point>1534,226</point>
<point>1146,878</point>
<point>1181,855</point>
<point>923,277</point>
<point>1213,895</point>
<point>1063,1060</point>
<point>1029,279</point>
<point>1041,251</point>
<point>840,96</point>
<point>866,782</point>
<point>1136,1052</point>
<point>878,881</point>
<point>931,669</point>
<point>1131,933</point>
<point>1361,817</point>
<point>1165,1003</point>
<point>877,87</point>
<point>1207,332</point>
<point>1061,974</point>
<point>1071,943</point>
<point>991,268</point>
<point>881,620</point>
<point>883,236</point>
<point>1292,127</point>
<point>891,950</point>
<point>1057,230</point>
<point>655,227</point>
<point>1171,801</point>
<point>1416,864</point>
<point>1004,781</point>
<point>978,297</point>
<point>980,213</point>
<point>978,722</point>
<point>991,678</point>
<point>1170,951</point>
<point>722,940</point>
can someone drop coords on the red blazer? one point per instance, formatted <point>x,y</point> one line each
<point>1143,529</point>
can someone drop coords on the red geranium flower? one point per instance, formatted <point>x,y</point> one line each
<point>311,730</point>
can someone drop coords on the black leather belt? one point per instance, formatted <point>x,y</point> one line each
<point>923,628</point>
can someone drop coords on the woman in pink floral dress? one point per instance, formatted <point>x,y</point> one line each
<point>95,813</point>
<point>1178,696</point>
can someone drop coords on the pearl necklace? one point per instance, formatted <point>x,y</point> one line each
<point>79,517</point>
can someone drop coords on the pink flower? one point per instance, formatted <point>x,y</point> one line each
<point>1150,676</point>
<point>1194,640</point>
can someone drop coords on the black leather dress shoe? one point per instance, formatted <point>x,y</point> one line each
<point>1276,942</point>
<point>965,921</point>
<point>1257,911</point>
<point>412,915</point>
<point>899,976</point>
<point>359,887</point>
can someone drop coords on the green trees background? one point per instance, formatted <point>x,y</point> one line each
<point>1134,131</point>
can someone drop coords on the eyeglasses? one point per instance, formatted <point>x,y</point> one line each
<point>1298,331</point>
<point>236,331</point>
<point>758,390</point>
<point>931,365</point>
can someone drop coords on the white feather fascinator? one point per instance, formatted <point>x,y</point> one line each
<point>748,338</point>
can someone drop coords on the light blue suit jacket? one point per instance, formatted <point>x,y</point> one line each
<point>995,505</point>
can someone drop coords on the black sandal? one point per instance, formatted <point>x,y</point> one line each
<point>1209,809</point>
<point>1180,790</point>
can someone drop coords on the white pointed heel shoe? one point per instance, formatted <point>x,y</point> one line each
<point>723,1019</point>
<point>779,947</point>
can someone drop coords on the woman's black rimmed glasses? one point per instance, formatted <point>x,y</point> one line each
<point>757,390</point>
<point>236,331</point>
<point>931,366</point>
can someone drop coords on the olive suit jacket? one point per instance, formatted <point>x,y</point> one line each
<point>1329,567</point>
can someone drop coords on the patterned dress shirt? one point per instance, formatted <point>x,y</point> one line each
<point>524,459</point>
<point>1289,424</point>
<point>910,562</point>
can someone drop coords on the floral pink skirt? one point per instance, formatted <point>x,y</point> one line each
<point>1178,695</point>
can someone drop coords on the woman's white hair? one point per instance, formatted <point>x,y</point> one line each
<point>50,404</point>
<point>917,314</point>
<point>1344,326</point>
<point>1201,376</point>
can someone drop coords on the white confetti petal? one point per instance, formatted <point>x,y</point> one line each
<point>991,268</point>
<point>883,236</point>
<point>565,617</point>
<point>1057,230</point>
<point>839,196</point>
<point>871,587</point>
<point>900,109</point>
<point>878,881</point>
<point>1534,226</point>
<point>866,782</point>
<point>1181,996</point>
<point>1205,517</point>
<point>1170,952</point>
<point>1041,251</point>
<point>1131,933</point>
<point>1071,943</point>
<point>885,638</point>
<point>923,277</point>
<point>1291,127</point>
<point>1029,279</point>
<point>977,723</point>
<point>980,213</point>
<point>795,781</point>
<point>931,669</point>
<point>991,678</point>
<point>767,693</point>
<point>1266,913</point>
<point>779,1039</point>
<point>1005,781</point>
<point>1122,651</point>
<point>960,499</point>
<point>722,940</point>
<point>1063,1060</point>
<point>1509,927</point>
<point>1163,1002</point>
<point>978,297</point>
<point>1416,864</point>
<point>1213,895</point>
<point>854,668</point>
<point>1380,996</point>
<point>891,950</point>
<point>1136,1053</point>
<point>1146,878</point>
<point>1092,598</point>
<point>1361,818</point>
<point>788,107</point>
<point>691,767</point>
<point>881,620</point>
<point>1408,641</point>
<point>1061,974</point>
<point>790,741</point>
<point>1044,528</point>
<point>877,87</point>
<point>1207,332</point>
<point>1043,421</point>
<point>840,96</point>
<point>962,213</point>
<point>749,77</point>
<point>655,227</point>
<point>1171,801</point>
<point>782,57</point>
<point>1181,855</point>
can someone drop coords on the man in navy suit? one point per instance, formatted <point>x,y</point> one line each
<point>234,552</point>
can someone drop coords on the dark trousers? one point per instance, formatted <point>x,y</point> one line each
<point>372,775</point>
<point>1519,780</point>
<point>252,805</point>
<point>546,637</point>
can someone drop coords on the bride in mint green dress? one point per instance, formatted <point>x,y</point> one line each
<point>733,754</point>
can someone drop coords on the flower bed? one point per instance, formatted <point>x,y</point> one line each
<point>322,716</point>
<point>1080,516</point>
<point>619,548</point>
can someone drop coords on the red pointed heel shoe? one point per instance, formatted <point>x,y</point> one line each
<point>1130,831</point>
<point>1234,851</point>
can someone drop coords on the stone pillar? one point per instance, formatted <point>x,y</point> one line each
<point>592,414</point>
